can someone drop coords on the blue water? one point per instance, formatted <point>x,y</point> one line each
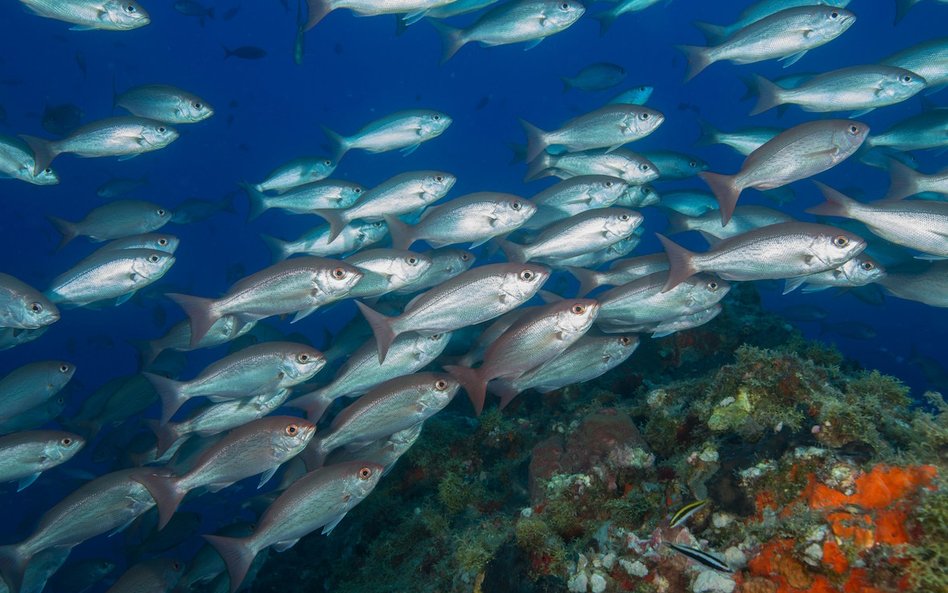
<point>355,70</point>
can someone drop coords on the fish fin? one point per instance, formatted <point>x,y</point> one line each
<point>258,201</point>
<point>381,326</point>
<point>768,95</point>
<point>836,203</point>
<point>316,11</point>
<point>167,434</point>
<point>44,152</point>
<point>314,403</point>
<point>336,221</point>
<point>284,545</point>
<point>401,232</point>
<point>413,17</point>
<point>121,299</point>
<point>861,112</point>
<point>567,85</point>
<point>901,9</point>
<point>713,33</point>
<point>278,248</point>
<point>237,555</point>
<point>127,157</point>
<point>514,252</point>
<point>304,313</point>
<point>165,491</point>
<point>327,529</point>
<point>82,28</point>
<point>473,384</point>
<point>400,26</point>
<point>13,565</point>
<point>792,284</point>
<point>170,393</point>
<point>25,482</point>
<point>538,167</point>
<point>606,20</point>
<point>200,311</point>
<point>267,476</point>
<point>677,223</point>
<point>340,145</point>
<point>505,390</point>
<point>69,230</point>
<point>903,181</point>
<point>451,38</point>
<point>711,239</point>
<point>725,190</point>
<point>697,57</point>
<point>709,134</point>
<point>588,279</point>
<point>531,44</point>
<point>792,58</point>
<point>549,296</point>
<point>410,149</point>
<point>929,257</point>
<point>536,141</point>
<point>680,263</point>
<point>931,90</point>
<point>811,289</point>
<point>479,242</point>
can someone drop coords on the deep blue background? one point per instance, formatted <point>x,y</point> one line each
<point>355,70</point>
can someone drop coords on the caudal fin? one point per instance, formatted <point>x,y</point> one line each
<point>200,311</point>
<point>473,384</point>
<point>677,223</point>
<point>536,139</point>
<point>402,235</point>
<point>680,263</point>
<point>148,351</point>
<point>768,95</point>
<point>279,249</point>
<point>13,563</point>
<point>725,191</point>
<point>314,403</point>
<point>698,59</point>
<point>709,134</point>
<point>44,152</point>
<point>836,203</point>
<point>167,434</point>
<point>452,40</point>
<point>902,7</point>
<point>69,230</point>
<point>338,142</point>
<point>165,491</point>
<point>317,10</point>
<point>715,34</point>
<point>336,219</point>
<point>381,326</point>
<point>588,280</point>
<point>538,167</point>
<point>505,389</point>
<point>607,19</point>
<point>237,555</point>
<point>515,253</point>
<point>258,201</point>
<point>170,392</point>
<point>903,181</point>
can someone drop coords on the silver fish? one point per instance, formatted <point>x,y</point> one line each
<point>644,302</point>
<point>594,259</point>
<point>114,220</point>
<point>744,141</point>
<point>581,193</point>
<point>446,263</point>
<point>858,271</point>
<point>166,103</point>
<point>414,10</point>
<point>608,17</point>
<point>25,455</point>
<point>404,130</point>
<point>317,240</point>
<point>589,231</point>
<point>689,202</point>
<point>24,307</point>
<point>778,251</point>
<point>928,129</point>
<point>929,287</point>
<point>154,241</point>
<point>108,15</point>
<point>305,198</point>
<point>638,196</point>
<point>687,321</point>
<point>384,452</point>
<point>674,165</point>
<point>797,153</point>
<point>299,171</point>
<point>607,127</point>
<point>109,275</point>
<point>632,168</point>
<point>905,181</point>
<point>158,575</point>
<point>32,385</point>
<point>745,218</point>
<point>16,162</point>
<point>386,270</point>
<point>620,272</point>
<point>11,337</point>
<point>224,330</point>
<point>756,12</point>
<point>928,59</point>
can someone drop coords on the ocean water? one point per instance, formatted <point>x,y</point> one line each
<point>354,70</point>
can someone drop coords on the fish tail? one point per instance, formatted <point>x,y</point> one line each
<point>258,201</point>
<point>901,9</point>
<point>473,384</point>
<point>170,392</point>
<point>519,152</point>
<point>836,203</point>
<point>750,88</point>
<point>44,152</point>
<point>314,403</point>
<point>515,253</point>
<point>588,279</point>
<point>713,33</point>
<point>680,263</point>
<point>314,455</point>
<point>768,95</point>
<point>316,10</point>
<point>536,140</point>
<point>279,249</point>
<point>382,327</point>
<point>903,181</point>
<point>13,564</point>
<point>167,494</point>
<point>505,390</point>
<point>538,166</point>
<point>148,351</point>
<point>340,146</point>
<point>677,223</point>
<point>451,38</point>
<point>606,20</point>
<point>336,220</point>
<point>200,311</point>
<point>167,434</point>
<point>709,134</point>
<point>725,190</point>
<point>237,554</point>
<point>69,230</point>
<point>402,235</point>
<point>698,59</point>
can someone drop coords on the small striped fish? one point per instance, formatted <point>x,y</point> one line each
<point>702,557</point>
<point>685,512</point>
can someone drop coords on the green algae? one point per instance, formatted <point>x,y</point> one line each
<point>929,557</point>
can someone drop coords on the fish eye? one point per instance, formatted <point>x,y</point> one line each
<point>625,340</point>
<point>644,167</point>
<point>358,190</point>
<point>578,309</point>
<point>608,184</point>
<point>867,265</point>
<point>436,117</point>
<point>328,163</point>
<point>162,129</point>
<point>643,116</point>
<point>198,105</point>
<point>66,441</point>
<point>303,357</point>
<point>465,256</point>
<point>841,241</point>
<point>412,261</point>
<point>906,78</point>
<point>162,242</point>
<point>441,384</point>
<point>712,285</point>
<point>153,259</point>
<point>64,368</point>
<point>834,15</point>
<point>564,6</point>
<point>61,400</point>
<point>338,273</point>
<point>365,473</point>
<point>292,430</point>
<point>516,205</point>
<point>36,307</point>
<point>378,224</point>
<point>175,565</point>
<point>48,171</point>
<point>853,130</point>
<point>435,337</point>
<point>160,211</point>
<point>624,217</point>
<point>439,178</point>
<point>693,164</point>
<point>130,8</point>
<point>527,275</point>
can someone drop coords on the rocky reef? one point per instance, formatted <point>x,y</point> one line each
<point>819,476</point>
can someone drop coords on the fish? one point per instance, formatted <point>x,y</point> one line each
<point>413,10</point>
<point>61,120</point>
<point>928,129</point>
<point>16,162</point>
<point>777,251</point>
<point>385,270</point>
<point>905,181</point>
<point>316,241</point>
<point>446,263</point>
<point>674,165</point>
<point>158,575</point>
<point>401,194</point>
<point>384,452</point>
<point>457,8</point>
<point>114,220</point>
<point>858,271</point>
<point>473,218</point>
<point>929,287</point>
<point>402,130</point>
<point>225,329</point>
<point>638,196</point>
<point>686,511</point>
<point>607,127</point>
<point>296,286</point>
<point>928,59</point>
<point>690,203</point>
<point>32,385</point>
<point>632,168</point>
<point>797,153</point>
<point>574,196</point>
<point>260,446</point>
<point>207,564</point>
<point>600,76</point>
<point>245,52</point>
<point>474,296</point>
<point>536,337</point>
<point>125,137</point>
<point>194,8</point>
<point>620,248</point>
<point>518,21</point>
<point>23,307</point>
<point>643,303</point>
<point>26,455</point>
<point>82,575</point>
<point>88,15</point>
<point>620,271</point>
<point>756,12</point>
<point>701,557</point>
<point>362,370</point>
<point>579,234</point>
<point>164,103</point>
<point>917,224</point>
<point>194,210</point>
<point>745,218</point>
<point>305,198</point>
<point>320,499</point>
<point>117,187</point>
<point>857,88</point>
<point>260,369</point>
<point>744,141</point>
<point>296,172</point>
<point>608,17</point>
<point>395,405</point>
<point>114,274</point>
<point>686,321</point>
<point>35,417</point>
<point>785,35</point>
<point>638,95</point>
